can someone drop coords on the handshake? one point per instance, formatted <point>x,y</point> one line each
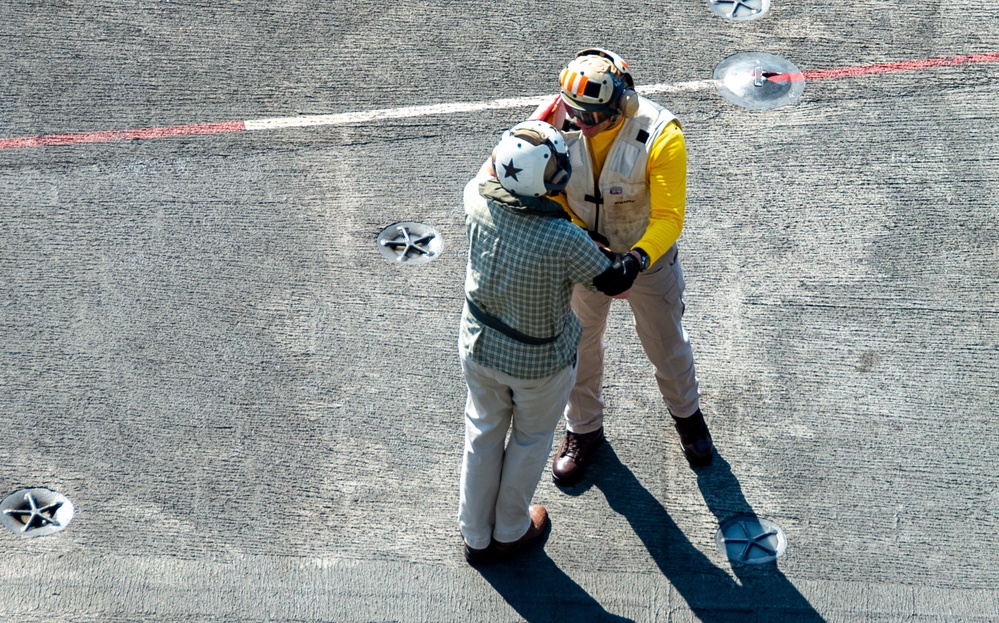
<point>616,281</point>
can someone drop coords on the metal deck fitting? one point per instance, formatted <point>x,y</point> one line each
<point>751,540</point>
<point>741,10</point>
<point>36,512</point>
<point>410,243</point>
<point>758,81</point>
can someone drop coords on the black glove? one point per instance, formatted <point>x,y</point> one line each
<point>619,277</point>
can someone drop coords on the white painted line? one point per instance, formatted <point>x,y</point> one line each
<point>677,87</point>
<point>393,113</point>
<point>409,112</point>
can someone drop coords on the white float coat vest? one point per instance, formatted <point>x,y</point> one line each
<point>619,207</point>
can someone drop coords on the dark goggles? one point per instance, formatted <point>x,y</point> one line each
<point>588,118</point>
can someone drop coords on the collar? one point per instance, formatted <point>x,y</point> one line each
<point>538,206</point>
<point>603,140</point>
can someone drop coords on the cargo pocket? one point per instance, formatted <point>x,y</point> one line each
<point>674,294</point>
<point>663,277</point>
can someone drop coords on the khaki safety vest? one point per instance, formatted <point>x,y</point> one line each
<point>618,206</point>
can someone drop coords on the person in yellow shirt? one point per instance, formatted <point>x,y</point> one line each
<point>628,190</point>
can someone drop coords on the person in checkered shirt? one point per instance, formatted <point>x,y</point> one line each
<point>518,333</point>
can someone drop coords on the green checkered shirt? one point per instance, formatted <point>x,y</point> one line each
<point>522,264</point>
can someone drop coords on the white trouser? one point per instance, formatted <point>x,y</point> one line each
<point>497,484</point>
<point>656,302</point>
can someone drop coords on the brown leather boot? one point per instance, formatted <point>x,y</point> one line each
<point>695,439</point>
<point>539,525</point>
<point>574,455</point>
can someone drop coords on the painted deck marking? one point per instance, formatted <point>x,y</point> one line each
<point>122,135</point>
<point>277,123</point>
<point>886,68</point>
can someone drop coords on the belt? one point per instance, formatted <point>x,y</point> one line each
<point>495,323</point>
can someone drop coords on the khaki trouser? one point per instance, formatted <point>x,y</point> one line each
<point>498,481</point>
<point>657,304</point>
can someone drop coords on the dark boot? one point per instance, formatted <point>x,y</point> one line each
<point>695,439</point>
<point>479,556</point>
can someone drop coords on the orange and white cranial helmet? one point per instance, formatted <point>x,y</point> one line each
<point>596,80</point>
<point>589,83</point>
<point>619,63</point>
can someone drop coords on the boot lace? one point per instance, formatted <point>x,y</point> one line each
<point>572,445</point>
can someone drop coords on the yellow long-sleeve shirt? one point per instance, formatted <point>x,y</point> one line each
<point>666,173</point>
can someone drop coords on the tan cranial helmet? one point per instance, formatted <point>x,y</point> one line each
<point>624,72</point>
<point>593,82</point>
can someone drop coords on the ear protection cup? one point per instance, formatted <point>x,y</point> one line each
<point>627,103</point>
<point>558,179</point>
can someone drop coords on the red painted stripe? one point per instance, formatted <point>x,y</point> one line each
<point>123,135</point>
<point>885,68</point>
